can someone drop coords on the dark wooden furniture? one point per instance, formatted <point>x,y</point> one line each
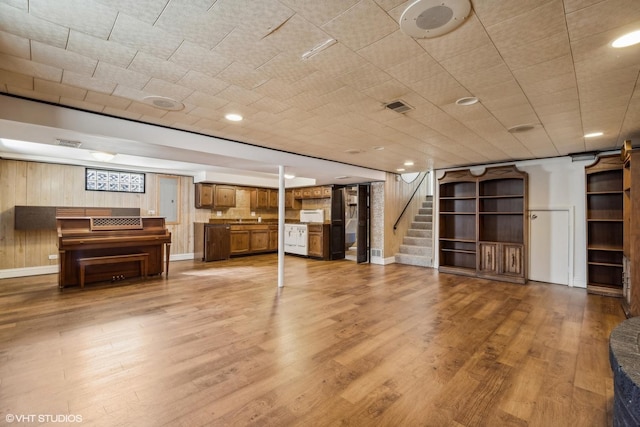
<point>212,242</point>
<point>631,227</point>
<point>604,214</point>
<point>44,217</point>
<point>93,238</point>
<point>483,225</point>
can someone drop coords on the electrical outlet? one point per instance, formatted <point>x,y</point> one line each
<point>53,256</point>
<point>219,213</point>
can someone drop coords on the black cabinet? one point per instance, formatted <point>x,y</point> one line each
<point>212,242</point>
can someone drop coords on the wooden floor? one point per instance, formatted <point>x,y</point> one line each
<point>341,345</point>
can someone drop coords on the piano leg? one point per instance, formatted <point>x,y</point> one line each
<point>166,255</point>
<point>61,271</point>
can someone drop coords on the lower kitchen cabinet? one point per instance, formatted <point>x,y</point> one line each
<point>319,240</point>
<point>211,241</point>
<point>501,261</point>
<point>253,238</point>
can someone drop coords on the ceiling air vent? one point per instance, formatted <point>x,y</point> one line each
<point>399,106</point>
<point>68,143</point>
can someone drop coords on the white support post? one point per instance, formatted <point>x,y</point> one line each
<point>281,211</point>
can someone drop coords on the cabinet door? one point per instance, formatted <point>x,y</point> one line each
<point>259,240</point>
<point>326,192</point>
<point>273,198</point>
<point>512,261</point>
<point>316,192</point>
<point>488,258</point>
<point>297,193</point>
<point>273,240</point>
<point>239,241</point>
<point>315,244</point>
<point>204,195</point>
<point>224,196</point>
<point>306,193</point>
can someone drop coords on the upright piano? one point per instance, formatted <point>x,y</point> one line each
<point>116,238</point>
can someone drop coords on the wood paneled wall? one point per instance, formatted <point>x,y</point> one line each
<point>47,184</point>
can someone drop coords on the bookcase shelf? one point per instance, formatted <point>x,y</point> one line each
<point>482,223</point>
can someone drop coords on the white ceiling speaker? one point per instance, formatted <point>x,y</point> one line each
<point>433,18</point>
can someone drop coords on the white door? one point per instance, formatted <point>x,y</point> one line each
<point>549,259</point>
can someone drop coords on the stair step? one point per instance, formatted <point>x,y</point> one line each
<point>422,225</point>
<point>416,250</point>
<point>419,232</point>
<point>416,241</point>
<point>423,218</point>
<point>425,211</point>
<point>421,261</point>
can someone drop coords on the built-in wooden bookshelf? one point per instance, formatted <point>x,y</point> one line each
<point>605,221</point>
<point>483,223</point>
<point>631,229</point>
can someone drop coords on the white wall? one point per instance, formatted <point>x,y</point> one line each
<point>556,183</point>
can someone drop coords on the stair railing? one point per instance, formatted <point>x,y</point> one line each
<point>395,226</point>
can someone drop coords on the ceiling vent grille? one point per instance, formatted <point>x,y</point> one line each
<point>68,143</point>
<point>399,106</point>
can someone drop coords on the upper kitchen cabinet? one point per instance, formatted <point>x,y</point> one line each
<point>214,196</point>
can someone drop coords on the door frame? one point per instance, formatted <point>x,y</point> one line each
<point>570,229</point>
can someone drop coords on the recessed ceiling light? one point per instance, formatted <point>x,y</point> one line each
<point>353,151</point>
<point>289,176</point>
<point>408,163</point>
<point>628,39</point>
<point>233,117</point>
<point>164,103</point>
<point>378,148</point>
<point>593,134</point>
<point>400,170</point>
<point>467,100</point>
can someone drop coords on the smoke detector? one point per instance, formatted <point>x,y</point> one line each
<point>164,103</point>
<point>433,18</point>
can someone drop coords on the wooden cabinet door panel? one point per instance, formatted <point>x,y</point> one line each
<point>204,195</point>
<point>273,240</point>
<point>259,240</point>
<point>488,257</point>
<point>224,196</point>
<point>512,259</point>
<point>273,198</point>
<point>239,241</point>
<point>315,244</point>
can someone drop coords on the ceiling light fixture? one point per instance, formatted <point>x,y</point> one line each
<point>318,48</point>
<point>628,39</point>
<point>232,117</point>
<point>378,148</point>
<point>408,163</point>
<point>433,18</point>
<point>400,170</point>
<point>164,103</point>
<point>289,176</point>
<point>467,100</point>
<point>101,156</point>
<point>593,134</point>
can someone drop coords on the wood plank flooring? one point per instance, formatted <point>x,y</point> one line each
<point>340,345</point>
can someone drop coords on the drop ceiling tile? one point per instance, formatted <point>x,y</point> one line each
<point>33,94</point>
<point>335,60</point>
<point>121,76</point>
<point>478,82</point>
<point>441,89</point>
<point>203,82</point>
<point>269,105</point>
<point>87,82</point>
<point>58,89</point>
<point>30,27</point>
<point>493,12</point>
<point>81,105</point>
<point>145,110</point>
<point>200,59</point>
<point>319,13</point>
<point>364,77</point>
<point>469,36</point>
<point>536,24</point>
<point>144,10</point>
<point>297,35</point>
<point>107,100</point>
<point>14,45</point>
<point>388,91</point>
<point>156,67</point>
<point>544,71</point>
<point>600,17</point>
<point>392,50</point>
<point>85,16</point>
<point>116,112</point>
<point>318,84</point>
<point>17,80</point>
<point>253,52</point>
<point>539,51</point>
<point>278,89</point>
<point>287,68</point>
<point>19,4</point>
<point>415,69</point>
<point>574,5</point>
<point>239,95</point>
<point>104,50</point>
<point>185,20</point>
<point>479,59</point>
<point>61,58</point>
<point>138,35</point>
<point>371,21</point>
<point>390,4</point>
<point>159,87</point>
<point>30,68</point>
<point>243,75</point>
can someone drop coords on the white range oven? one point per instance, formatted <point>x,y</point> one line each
<point>296,238</point>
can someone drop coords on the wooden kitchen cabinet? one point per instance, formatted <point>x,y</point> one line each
<point>259,240</point>
<point>211,241</point>
<point>273,198</point>
<point>273,238</point>
<point>259,198</point>
<point>240,241</point>
<point>290,200</point>
<point>253,238</point>
<point>322,192</point>
<point>204,195</point>
<point>319,240</point>
<point>213,196</point>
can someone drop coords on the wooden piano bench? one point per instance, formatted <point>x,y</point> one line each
<point>113,259</point>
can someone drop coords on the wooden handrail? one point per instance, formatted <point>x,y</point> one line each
<point>395,226</point>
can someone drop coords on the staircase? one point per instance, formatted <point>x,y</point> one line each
<point>417,246</point>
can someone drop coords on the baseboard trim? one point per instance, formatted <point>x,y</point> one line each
<point>53,269</point>
<point>382,261</point>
